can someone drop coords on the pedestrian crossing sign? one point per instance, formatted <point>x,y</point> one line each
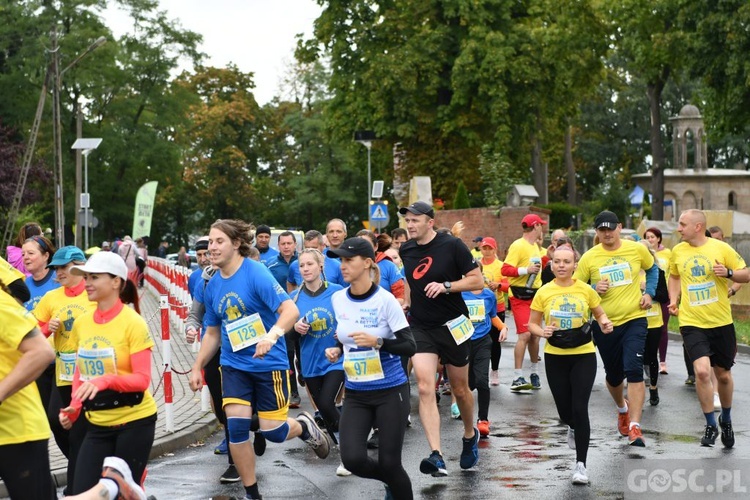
<point>379,212</point>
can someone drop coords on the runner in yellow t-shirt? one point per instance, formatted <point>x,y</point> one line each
<point>113,363</point>
<point>14,280</point>
<point>24,431</point>
<point>700,272</point>
<point>523,267</point>
<point>565,305</point>
<point>492,270</point>
<point>613,268</point>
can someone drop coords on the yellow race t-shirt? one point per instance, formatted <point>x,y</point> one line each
<point>493,272</point>
<point>662,258</point>
<point>704,302</point>
<point>105,349</point>
<point>8,273</point>
<point>521,254</point>
<point>566,307</point>
<point>622,267</point>
<point>62,304</point>
<point>653,315</point>
<point>22,417</point>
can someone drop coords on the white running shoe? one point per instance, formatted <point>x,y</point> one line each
<point>117,470</point>
<point>580,476</point>
<point>341,471</point>
<point>571,438</point>
<point>717,402</point>
<point>494,377</point>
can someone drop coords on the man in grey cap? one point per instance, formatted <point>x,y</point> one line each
<point>438,267</point>
<point>613,268</point>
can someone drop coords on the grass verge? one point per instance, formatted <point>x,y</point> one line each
<point>741,327</point>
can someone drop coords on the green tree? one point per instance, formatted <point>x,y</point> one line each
<point>461,199</point>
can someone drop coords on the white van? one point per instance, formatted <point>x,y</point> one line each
<point>298,235</point>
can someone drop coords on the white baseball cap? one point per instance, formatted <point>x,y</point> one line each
<point>103,262</point>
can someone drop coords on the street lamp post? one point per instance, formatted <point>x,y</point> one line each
<point>365,137</point>
<point>86,146</point>
<point>57,130</point>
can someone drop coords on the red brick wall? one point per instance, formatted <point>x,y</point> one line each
<point>503,224</point>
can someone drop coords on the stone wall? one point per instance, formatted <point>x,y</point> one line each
<point>501,223</point>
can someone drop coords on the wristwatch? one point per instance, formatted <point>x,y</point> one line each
<point>379,343</point>
<point>447,286</point>
<point>730,273</point>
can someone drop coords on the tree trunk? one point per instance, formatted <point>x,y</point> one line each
<point>569,166</point>
<point>657,151</point>
<point>540,179</point>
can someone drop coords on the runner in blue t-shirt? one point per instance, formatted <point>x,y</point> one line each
<point>374,334</point>
<point>37,251</point>
<point>247,313</point>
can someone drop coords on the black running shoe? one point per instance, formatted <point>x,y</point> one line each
<point>709,436</point>
<point>653,397</point>
<point>230,475</point>
<point>727,433</point>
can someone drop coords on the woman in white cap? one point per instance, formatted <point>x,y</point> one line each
<point>112,374</point>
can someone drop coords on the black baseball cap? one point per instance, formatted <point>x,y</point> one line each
<point>353,247</point>
<point>418,208</point>
<point>606,220</point>
<point>263,229</point>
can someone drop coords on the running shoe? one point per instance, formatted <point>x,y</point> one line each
<point>571,438</point>
<point>635,436</point>
<point>230,475</point>
<point>222,449</point>
<point>535,383</point>
<point>494,377</point>
<point>374,441</point>
<point>690,380</point>
<point>580,476</point>
<point>117,470</point>
<point>319,419</point>
<point>520,384</point>
<point>623,421</point>
<point>709,435</point>
<point>259,444</point>
<point>653,396</point>
<point>727,433</point>
<point>433,465</point>
<point>341,471</point>
<point>663,368</point>
<point>455,412</point>
<point>484,428</point>
<point>470,453</point>
<point>318,440</point>
<point>294,401</point>
<point>445,389</point>
<point>717,402</point>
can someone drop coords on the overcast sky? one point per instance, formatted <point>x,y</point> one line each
<point>256,35</point>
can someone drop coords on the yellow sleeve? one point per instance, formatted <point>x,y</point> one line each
<point>16,320</point>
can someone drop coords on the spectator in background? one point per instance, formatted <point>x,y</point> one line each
<point>398,237</point>
<point>127,251</point>
<point>476,252</point>
<point>161,251</point>
<point>15,253</point>
<point>182,258</point>
<point>106,247</point>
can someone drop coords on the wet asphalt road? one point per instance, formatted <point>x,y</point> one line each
<point>526,455</point>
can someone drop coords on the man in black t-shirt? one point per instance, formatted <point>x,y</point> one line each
<point>438,267</point>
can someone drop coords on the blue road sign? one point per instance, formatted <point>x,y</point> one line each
<point>379,212</point>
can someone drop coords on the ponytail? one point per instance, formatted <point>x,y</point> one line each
<point>375,273</point>
<point>129,294</point>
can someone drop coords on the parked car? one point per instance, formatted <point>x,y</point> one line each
<point>172,257</point>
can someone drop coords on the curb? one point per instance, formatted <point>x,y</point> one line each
<point>200,429</point>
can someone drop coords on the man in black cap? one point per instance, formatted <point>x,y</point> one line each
<point>613,268</point>
<point>476,252</point>
<point>438,268</point>
<point>268,254</point>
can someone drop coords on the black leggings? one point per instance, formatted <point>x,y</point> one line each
<point>75,434</point>
<point>131,442</point>
<point>571,378</point>
<point>52,402</point>
<point>323,390</point>
<point>386,410</point>
<point>653,339</point>
<point>497,348</point>
<point>479,363</point>
<point>292,348</point>
<point>212,375</point>
<point>24,467</point>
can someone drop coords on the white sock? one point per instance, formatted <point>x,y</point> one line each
<point>534,367</point>
<point>624,409</point>
<point>634,424</point>
<point>111,486</point>
<point>518,373</point>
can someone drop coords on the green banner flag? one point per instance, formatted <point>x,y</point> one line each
<point>144,209</point>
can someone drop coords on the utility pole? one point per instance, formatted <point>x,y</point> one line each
<point>79,134</point>
<point>57,133</point>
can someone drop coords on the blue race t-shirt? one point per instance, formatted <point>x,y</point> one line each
<point>250,290</point>
<point>193,280</point>
<point>379,314</point>
<point>389,274</point>
<point>482,308</point>
<point>37,289</point>
<point>331,273</point>
<point>268,256</point>
<point>318,313</point>
<point>280,269</point>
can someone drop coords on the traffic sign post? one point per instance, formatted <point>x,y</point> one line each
<point>379,217</point>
